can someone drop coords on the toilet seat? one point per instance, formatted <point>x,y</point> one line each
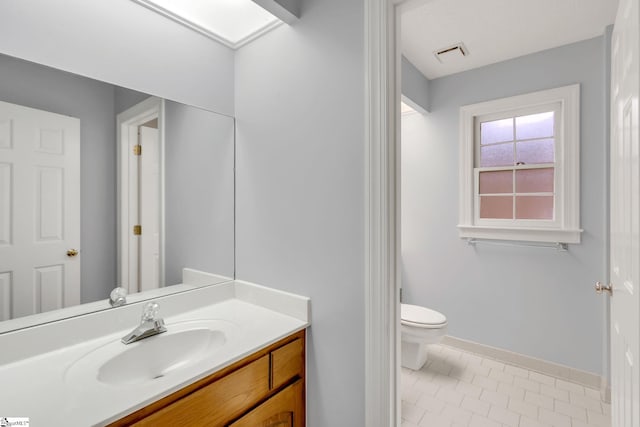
<point>421,317</point>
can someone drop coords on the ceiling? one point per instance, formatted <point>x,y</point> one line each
<point>496,30</point>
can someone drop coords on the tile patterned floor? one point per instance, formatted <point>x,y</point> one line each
<point>456,388</point>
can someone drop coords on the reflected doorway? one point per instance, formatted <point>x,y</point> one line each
<point>140,196</point>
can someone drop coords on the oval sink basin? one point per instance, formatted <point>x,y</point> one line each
<point>183,345</point>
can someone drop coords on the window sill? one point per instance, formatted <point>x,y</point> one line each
<point>520,234</point>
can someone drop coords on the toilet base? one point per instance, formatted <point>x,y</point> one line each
<point>413,355</point>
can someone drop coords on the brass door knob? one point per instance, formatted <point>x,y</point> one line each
<point>600,288</point>
<point>72,252</point>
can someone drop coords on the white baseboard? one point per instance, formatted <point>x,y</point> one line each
<point>584,378</point>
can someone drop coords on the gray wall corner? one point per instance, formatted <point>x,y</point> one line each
<point>415,87</point>
<point>286,10</point>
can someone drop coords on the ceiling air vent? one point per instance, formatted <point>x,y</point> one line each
<point>451,53</point>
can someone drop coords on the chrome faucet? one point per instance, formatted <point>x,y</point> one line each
<point>150,324</point>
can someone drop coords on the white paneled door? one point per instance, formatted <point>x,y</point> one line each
<point>625,217</point>
<point>39,211</point>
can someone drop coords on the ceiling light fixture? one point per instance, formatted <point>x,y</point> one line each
<point>233,23</point>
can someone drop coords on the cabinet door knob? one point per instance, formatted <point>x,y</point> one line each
<point>600,288</point>
<point>72,252</point>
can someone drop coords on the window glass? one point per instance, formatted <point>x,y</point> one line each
<point>534,180</point>
<point>496,131</point>
<point>496,155</point>
<point>534,126</point>
<point>496,182</point>
<point>535,152</point>
<point>500,207</point>
<point>534,207</point>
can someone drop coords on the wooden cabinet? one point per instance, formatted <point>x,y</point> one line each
<point>284,409</point>
<point>265,389</point>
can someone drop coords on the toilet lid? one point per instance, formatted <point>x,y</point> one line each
<point>418,315</point>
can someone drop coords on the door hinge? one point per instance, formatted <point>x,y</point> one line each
<point>137,150</point>
<point>137,230</point>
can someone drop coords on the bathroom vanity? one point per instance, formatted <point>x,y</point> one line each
<point>265,389</point>
<point>233,355</point>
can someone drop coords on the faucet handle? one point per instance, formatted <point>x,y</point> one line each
<point>150,311</point>
<point>118,297</point>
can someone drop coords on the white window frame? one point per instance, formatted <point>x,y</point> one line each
<point>565,227</point>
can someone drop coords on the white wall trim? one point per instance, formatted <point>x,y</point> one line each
<point>584,378</point>
<point>566,227</point>
<point>382,102</point>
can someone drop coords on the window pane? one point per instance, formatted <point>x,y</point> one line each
<point>496,155</point>
<point>496,182</point>
<point>534,207</point>
<point>535,152</point>
<point>496,207</point>
<point>534,126</point>
<point>534,180</point>
<point>496,131</point>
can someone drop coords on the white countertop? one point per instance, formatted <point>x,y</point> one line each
<point>36,387</point>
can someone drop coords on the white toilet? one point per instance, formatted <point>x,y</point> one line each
<point>419,326</point>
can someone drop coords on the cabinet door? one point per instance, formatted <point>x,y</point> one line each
<point>285,409</point>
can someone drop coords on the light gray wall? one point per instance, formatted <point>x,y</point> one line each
<point>120,42</point>
<point>92,102</point>
<point>199,191</point>
<point>537,302</point>
<point>415,85</point>
<point>300,185</point>
<point>125,99</point>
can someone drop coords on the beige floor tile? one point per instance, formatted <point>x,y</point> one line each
<point>476,406</point>
<point>469,389</point>
<point>553,418</point>
<point>527,384</point>
<point>460,389</point>
<point>495,398</point>
<point>412,413</point>
<point>542,379</point>
<point>528,422</point>
<point>539,400</point>
<point>572,411</point>
<point>523,408</point>
<point>504,416</point>
<point>585,402</point>
<point>478,421</point>
<point>571,387</point>
<point>556,393</point>
<point>456,415</point>
<point>450,396</point>
<point>430,403</point>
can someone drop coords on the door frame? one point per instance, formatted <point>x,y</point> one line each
<point>127,130</point>
<point>382,192</point>
<point>382,277</point>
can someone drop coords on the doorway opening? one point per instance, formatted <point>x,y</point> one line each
<point>141,196</point>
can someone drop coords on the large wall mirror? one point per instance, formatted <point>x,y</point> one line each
<point>102,186</point>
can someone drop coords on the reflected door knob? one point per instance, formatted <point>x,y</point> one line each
<point>600,288</point>
<point>72,252</point>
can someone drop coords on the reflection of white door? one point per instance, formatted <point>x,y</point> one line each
<point>140,219</point>
<point>625,217</point>
<point>39,211</point>
<point>149,208</point>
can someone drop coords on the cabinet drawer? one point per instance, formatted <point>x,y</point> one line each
<point>217,403</point>
<point>285,409</point>
<point>287,362</point>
